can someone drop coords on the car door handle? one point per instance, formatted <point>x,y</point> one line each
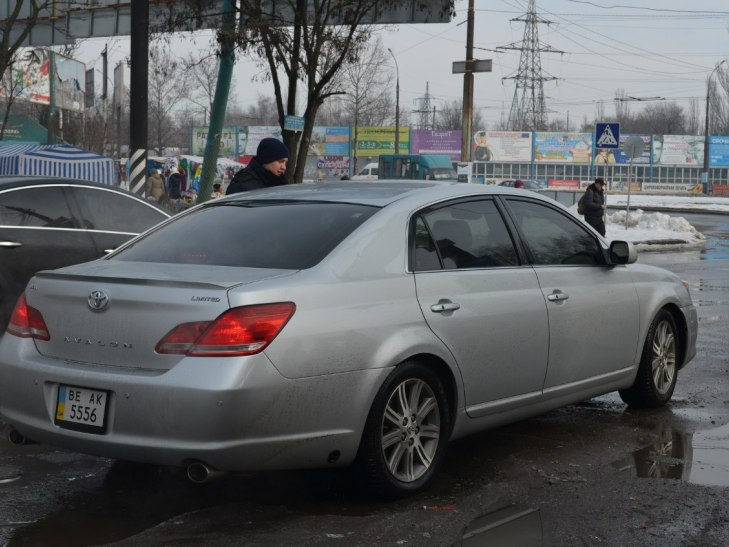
<point>444,306</point>
<point>10,244</point>
<point>557,296</point>
<point>107,251</point>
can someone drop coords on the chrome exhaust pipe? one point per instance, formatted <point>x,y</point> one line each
<point>17,438</point>
<point>199,473</point>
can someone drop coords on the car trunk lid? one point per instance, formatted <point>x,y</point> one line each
<point>114,313</point>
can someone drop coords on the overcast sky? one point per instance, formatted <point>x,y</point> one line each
<point>648,48</point>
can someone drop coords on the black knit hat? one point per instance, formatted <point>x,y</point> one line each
<point>599,180</point>
<point>270,149</point>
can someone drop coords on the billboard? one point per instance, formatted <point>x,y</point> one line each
<point>678,150</point>
<point>563,147</point>
<point>329,141</point>
<point>31,77</point>
<point>374,141</point>
<point>426,141</point>
<point>718,152</point>
<point>69,85</point>
<point>228,141</point>
<point>250,136</point>
<point>610,156</point>
<point>508,146</point>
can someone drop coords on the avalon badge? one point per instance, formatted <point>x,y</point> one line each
<point>98,300</point>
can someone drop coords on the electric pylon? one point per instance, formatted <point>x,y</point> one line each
<point>528,109</point>
<point>426,114</point>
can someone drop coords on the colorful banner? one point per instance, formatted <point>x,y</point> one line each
<point>447,143</point>
<point>228,141</point>
<point>609,156</point>
<point>329,141</point>
<point>507,146</point>
<point>718,152</point>
<point>326,167</point>
<point>563,147</point>
<point>678,150</point>
<point>31,77</point>
<point>373,141</point>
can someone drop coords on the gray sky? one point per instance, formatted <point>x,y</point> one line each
<point>648,48</point>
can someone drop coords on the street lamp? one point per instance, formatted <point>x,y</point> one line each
<point>705,174</point>
<point>397,103</point>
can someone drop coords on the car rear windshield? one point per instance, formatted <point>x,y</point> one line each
<point>252,234</point>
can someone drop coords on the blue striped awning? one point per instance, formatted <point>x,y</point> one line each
<point>57,161</point>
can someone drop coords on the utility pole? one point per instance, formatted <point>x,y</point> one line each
<point>705,174</point>
<point>138,102</point>
<point>467,122</point>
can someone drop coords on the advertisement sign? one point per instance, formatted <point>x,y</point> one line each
<point>426,141</point>
<point>329,141</point>
<point>373,141</point>
<point>31,76</point>
<point>718,151</point>
<point>326,167</point>
<point>606,156</point>
<point>250,135</point>
<point>69,87</point>
<point>507,146</point>
<point>563,147</point>
<point>678,150</point>
<point>228,141</point>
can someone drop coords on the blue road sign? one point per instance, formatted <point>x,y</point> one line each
<point>294,123</point>
<point>607,135</point>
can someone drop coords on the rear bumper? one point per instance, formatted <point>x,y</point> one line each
<point>233,414</point>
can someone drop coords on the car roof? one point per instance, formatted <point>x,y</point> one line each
<point>13,181</point>
<point>377,193</point>
<point>8,182</point>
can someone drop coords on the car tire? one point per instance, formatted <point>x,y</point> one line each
<point>405,435</point>
<point>658,370</point>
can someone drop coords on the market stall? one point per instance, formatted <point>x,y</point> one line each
<point>57,161</point>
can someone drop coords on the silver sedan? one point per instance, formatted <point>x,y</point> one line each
<point>331,325</point>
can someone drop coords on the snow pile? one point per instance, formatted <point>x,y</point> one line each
<point>651,230</point>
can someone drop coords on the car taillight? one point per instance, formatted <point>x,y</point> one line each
<point>239,331</point>
<point>27,322</point>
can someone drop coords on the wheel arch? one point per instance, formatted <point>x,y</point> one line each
<point>680,320</point>
<point>446,376</point>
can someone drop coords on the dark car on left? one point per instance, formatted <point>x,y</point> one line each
<point>47,223</point>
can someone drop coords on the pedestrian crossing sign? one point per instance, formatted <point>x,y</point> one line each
<point>607,135</point>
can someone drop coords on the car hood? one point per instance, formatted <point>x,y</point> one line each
<point>145,301</point>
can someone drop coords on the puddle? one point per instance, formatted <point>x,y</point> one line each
<point>698,458</point>
<point>512,525</point>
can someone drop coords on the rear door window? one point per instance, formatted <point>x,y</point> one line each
<point>107,210</point>
<point>254,234</point>
<point>38,207</point>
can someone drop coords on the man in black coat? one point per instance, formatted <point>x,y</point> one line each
<point>267,168</point>
<point>594,202</point>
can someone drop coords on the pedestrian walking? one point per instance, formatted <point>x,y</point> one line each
<point>594,205</point>
<point>156,186</point>
<point>267,168</point>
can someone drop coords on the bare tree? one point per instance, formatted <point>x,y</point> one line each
<point>201,77</point>
<point>622,109</point>
<point>305,42</point>
<point>261,112</point>
<point>719,103</point>
<point>662,118</point>
<point>450,117</point>
<point>167,87</point>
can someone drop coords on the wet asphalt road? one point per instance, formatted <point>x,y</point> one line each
<point>588,474</point>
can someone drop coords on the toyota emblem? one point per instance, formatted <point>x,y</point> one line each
<point>98,300</point>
